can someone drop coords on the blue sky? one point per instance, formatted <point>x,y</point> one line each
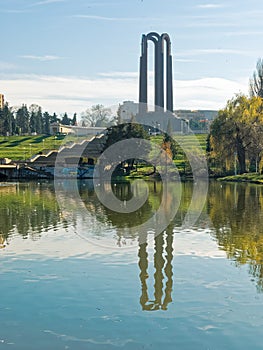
<point>66,55</point>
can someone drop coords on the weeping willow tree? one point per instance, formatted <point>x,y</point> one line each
<point>237,134</point>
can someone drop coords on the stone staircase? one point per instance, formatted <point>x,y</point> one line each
<point>91,148</point>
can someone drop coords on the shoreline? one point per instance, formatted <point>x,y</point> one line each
<point>244,178</point>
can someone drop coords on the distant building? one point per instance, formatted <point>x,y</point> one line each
<point>2,101</point>
<point>57,128</point>
<point>181,120</point>
<point>199,121</point>
<point>156,121</point>
<point>196,114</point>
<point>127,110</point>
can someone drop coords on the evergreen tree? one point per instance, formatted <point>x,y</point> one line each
<point>7,124</point>
<point>22,120</point>
<point>33,123</point>
<point>39,121</point>
<point>54,118</point>
<point>46,123</point>
<point>74,119</point>
<point>65,119</point>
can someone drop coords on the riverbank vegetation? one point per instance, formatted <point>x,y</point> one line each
<point>235,142</point>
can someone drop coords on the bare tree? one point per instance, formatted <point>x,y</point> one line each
<point>256,82</point>
<point>97,115</point>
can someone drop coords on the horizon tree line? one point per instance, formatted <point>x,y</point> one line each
<point>32,120</point>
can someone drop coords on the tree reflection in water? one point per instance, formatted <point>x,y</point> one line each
<point>27,210</point>
<point>235,210</point>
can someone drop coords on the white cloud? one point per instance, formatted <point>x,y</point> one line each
<point>46,2</point>
<point>210,6</point>
<point>134,75</point>
<point>6,66</point>
<point>206,93</point>
<point>116,19</point>
<point>42,58</point>
<point>74,94</point>
<point>199,52</point>
<point>187,60</point>
<point>120,74</point>
<point>242,33</point>
<point>14,11</point>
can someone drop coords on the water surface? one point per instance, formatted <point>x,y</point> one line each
<point>83,279</point>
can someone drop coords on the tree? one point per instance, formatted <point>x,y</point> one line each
<point>22,120</point>
<point>7,121</point>
<point>238,132</point>
<point>256,82</point>
<point>46,123</point>
<point>123,132</point>
<point>54,118</point>
<point>65,119</point>
<point>39,121</point>
<point>74,119</point>
<point>119,118</point>
<point>36,121</point>
<point>169,145</point>
<point>97,115</point>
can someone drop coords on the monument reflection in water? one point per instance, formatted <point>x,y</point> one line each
<point>163,256</point>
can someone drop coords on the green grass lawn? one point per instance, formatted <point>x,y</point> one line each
<point>189,142</point>
<point>248,177</point>
<point>24,147</point>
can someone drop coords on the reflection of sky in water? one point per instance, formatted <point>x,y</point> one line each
<point>60,289</point>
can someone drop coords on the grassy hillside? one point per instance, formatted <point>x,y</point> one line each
<point>187,141</point>
<point>23,147</point>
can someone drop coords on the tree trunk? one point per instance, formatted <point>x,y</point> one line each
<point>241,156</point>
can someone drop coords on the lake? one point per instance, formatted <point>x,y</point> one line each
<point>76,274</point>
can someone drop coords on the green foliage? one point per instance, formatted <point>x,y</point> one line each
<point>22,120</point>
<point>237,134</point>
<point>7,121</point>
<point>74,119</point>
<point>169,145</point>
<point>236,214</point>
<point>32,120</point>
<point>31,209</point>
<point>65,119</point>
<point>123,132</point>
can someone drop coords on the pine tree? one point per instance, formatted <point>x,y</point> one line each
<point>22,120</point>
<point>74,119</point>
<point>46,123</point>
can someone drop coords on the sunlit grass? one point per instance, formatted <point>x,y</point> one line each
<point>24,147</point>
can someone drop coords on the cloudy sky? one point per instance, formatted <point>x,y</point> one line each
<point>67,55</point>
